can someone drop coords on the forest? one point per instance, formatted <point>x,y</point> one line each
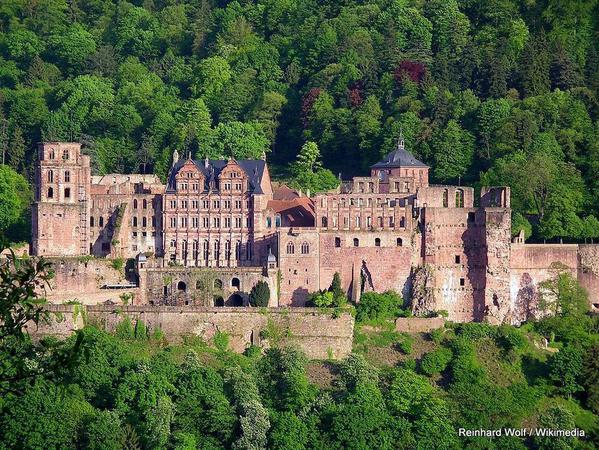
<point>484,91</point>
<point>133,389</point>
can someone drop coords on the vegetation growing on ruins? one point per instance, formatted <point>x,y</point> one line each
<point>501,92</point>
<point>133,389</point>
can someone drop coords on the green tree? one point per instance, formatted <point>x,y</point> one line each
<point>260,294</point>
<point>16,154</point>
<point>72,47</point>
<point>236,139</point>
<point>453,150</point>
<point>565,369</point>
<point>15,196</point>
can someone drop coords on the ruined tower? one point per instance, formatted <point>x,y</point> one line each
<point>60,212</point>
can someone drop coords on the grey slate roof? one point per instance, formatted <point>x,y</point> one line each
<point>399,157</point>
<point>254,169</point>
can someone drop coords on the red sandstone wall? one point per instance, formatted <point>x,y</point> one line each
<point>588,271</point>
<point>529,265</point>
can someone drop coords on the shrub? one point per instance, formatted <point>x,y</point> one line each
<point>510,338</point>
<point>117,264</point>
<point>437,335</point>
<point>221,341</point>
<point>377,307</point>
<point>140,332</point>
<point>405,344</point>
<point>475,330</point>
<point>435,362</point>
<point>260,294</point>
<point>124,329</point>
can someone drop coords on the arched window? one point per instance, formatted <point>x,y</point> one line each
<point>337,242</point>
<point>305,248</point>
<point>101,221</point>
<point>218,284</point>
<point>134,203</point>
<point>325,222</point>
<point>67,176</point>
<point>459,198</point>
<point>356,242</point>
<point>144,222</point>
<point>134,221</point>
<point>377,242</point>
<point>217,250</point>
<point>181,286</point>
<point>238,250</point>
<point>290,248</point>
<point>67,192</point>
<point>50,192</point>
<point>268,222</point>
<point>399,242</point>
<point>235,283</point>
<point>52,154</point>
<point>145,204</point>
<point>445,198</point>
<point>228,250</point>
<point>50,176</point>
<point>278,220</point>
<point>91,221</point>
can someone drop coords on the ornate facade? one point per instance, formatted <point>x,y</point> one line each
<point>391,230</point>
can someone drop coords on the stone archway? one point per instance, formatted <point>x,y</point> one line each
<point>219,301</point>
<point>235,300</point>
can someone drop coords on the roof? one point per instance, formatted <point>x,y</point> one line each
<point>399,157</point>
<point>284,192</point>
<point>253,168</point>
<point>298,212</point>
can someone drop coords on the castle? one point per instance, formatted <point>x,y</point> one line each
<point>224,222</point>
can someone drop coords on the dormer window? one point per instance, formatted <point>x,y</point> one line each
<point>52,154</point>
<point>65,154</point>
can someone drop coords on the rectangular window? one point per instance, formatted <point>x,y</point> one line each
<point>173,204</point>
<point>216,222</point>
<point>227,222</point>
<point>205,204</point>
<point>216,204</point>
<point>457,259</point>
<point>227,204</point>
<point>173,222</point>
<point>194,222</point>
<point>237,204</point>
<point>194,204</point>
<point>462,282</point>
<point>237,222</point>
<point>184,204</point>
<point>205,222</point>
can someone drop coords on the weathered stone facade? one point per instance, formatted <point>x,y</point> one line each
<point>218,227</point>
<point>317,334</point>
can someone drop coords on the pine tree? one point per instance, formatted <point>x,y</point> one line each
<point>16,151</point>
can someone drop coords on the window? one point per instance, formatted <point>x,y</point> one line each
<point>184,222</point>
<point>227,204</point>
<point>380,221</point>
<point>134,221</point>
<point>235,283</point>
<point>50,176</point>
<point>205,204</point>
<point>324,222</point>
<point>194,222</point>
<point>305,248</point>
<point>278,220</point>
<point>135,203</point>
<point>153,221</point>
<point>227,222</point>
<point>457,259</point>
<point>91,221</point>
<point>173,204</point>
<point>445,198</point>
<point>181,286</point>
<point>144,222</point>
<point>216,204</point>
<point>218,284</point>
<point>471,217</point>
<point>377,242</point>
<point>217,250</point>
<point>399,242</point>
<point>462,282</point>
<point>356,242</point>
<point>237,222</point>
<point>268,222</point>
<point>216,222</point>
<point>145,204</point>
<point>65,154</point>
<point>67,176</point>
<point>50,193</point>
<point>52,154</point>
<point>237,204</point>
<point>337,242</point>
<point>228,250</point>
<point>205,222</point>
<point>459,198</point>
<point>290,248</point>
<point>67,193</point>
<point>173,222</point>
<point>101,221</point>
<point>184,204</point>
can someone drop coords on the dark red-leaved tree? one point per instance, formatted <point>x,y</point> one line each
<point>355,94</point>
<point>413,70</point>
<point>307,102</point>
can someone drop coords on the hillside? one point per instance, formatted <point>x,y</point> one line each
<point>500,92</point>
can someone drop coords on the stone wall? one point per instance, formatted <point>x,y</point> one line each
<point>316,333</point>
<point>418,324</point>
<point>588,272</point>
<point>202,286</point>
<point>84,279</point>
